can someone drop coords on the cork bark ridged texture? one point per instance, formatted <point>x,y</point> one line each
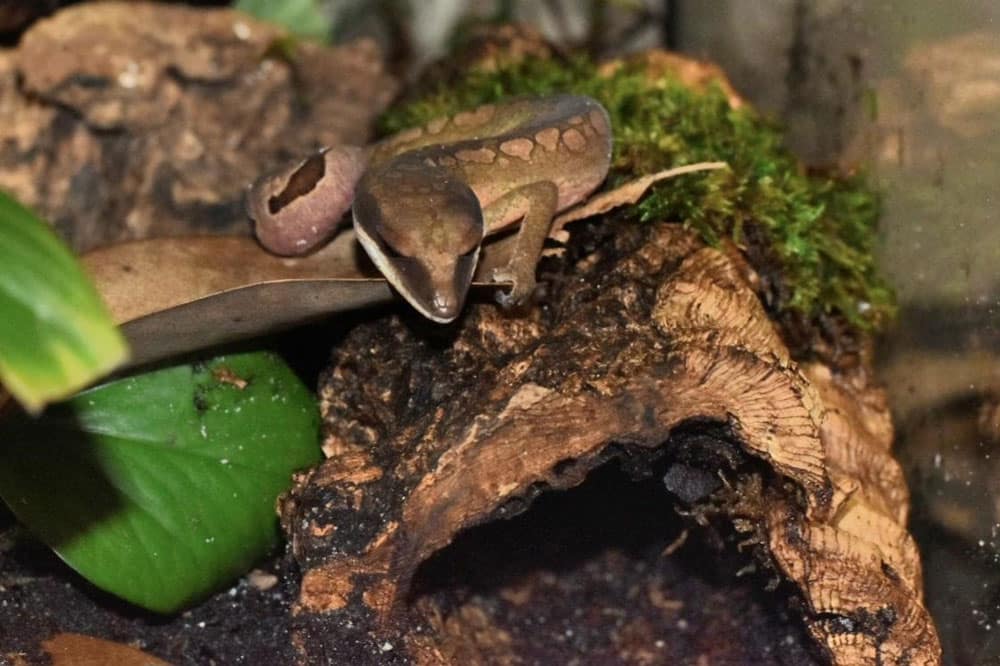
<point>647,339</point>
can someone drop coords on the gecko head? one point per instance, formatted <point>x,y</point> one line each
<point>424,237</point>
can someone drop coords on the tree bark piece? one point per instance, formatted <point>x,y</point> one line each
<point>125,120</point>
<point>67,649</point>
<point>647,346</point>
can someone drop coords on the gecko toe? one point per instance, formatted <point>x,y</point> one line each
<point>505,299</point>
<point>518,294</point>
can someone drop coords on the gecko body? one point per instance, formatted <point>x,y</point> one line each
<point>423,200</point>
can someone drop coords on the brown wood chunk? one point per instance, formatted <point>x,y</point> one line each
<point>673,350</point>
<point>109,83</point>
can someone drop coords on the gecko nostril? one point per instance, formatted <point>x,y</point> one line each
<point>444,303</point>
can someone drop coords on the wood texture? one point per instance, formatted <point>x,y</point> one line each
<point>649,336</point>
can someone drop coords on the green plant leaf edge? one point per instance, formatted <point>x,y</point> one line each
<point>160,488</point>
<point>56,336</point>
<point>304,18</point>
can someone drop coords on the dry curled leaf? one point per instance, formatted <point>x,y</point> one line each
<point>176,295</point>
<point>628,193</point>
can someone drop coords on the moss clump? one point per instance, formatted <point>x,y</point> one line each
<point>818,232</point>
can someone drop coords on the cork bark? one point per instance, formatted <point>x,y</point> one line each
<point>649,344</point>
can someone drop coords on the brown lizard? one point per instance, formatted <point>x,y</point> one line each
<point>424,199</point>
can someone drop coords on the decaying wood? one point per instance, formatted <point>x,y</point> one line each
<point>638,344</point>
<point>696,74</point>
<point>126,120</point>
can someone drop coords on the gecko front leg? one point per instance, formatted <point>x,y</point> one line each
<point>535,205</point>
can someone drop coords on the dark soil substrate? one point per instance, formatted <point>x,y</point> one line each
<point>576,579</point>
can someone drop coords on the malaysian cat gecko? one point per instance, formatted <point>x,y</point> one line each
<point>423,200</point>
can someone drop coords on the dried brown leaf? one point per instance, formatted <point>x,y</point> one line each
<point>175,295</point>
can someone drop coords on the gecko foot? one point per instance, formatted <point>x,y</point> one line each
<point>520,290</point>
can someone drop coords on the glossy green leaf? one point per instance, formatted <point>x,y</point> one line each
<point>160,488</point>
<point>55,334</point>
<point>304,18</point>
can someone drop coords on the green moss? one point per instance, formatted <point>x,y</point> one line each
<point>819,232</point>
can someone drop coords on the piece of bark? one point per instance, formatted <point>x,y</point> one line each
<point>648,345</point>
<point>15,14</point>
<point>126,120</point>
<point>79,650</point>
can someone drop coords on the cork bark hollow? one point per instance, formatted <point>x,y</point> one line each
<point>647,343</point>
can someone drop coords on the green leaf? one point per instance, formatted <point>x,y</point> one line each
<point>301,17</point>
<point>160,488</point>
<point>55,334</point>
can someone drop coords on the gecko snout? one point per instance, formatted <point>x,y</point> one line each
<point>446,306</point>
<point>447,292</point>
<point>446,283</point>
